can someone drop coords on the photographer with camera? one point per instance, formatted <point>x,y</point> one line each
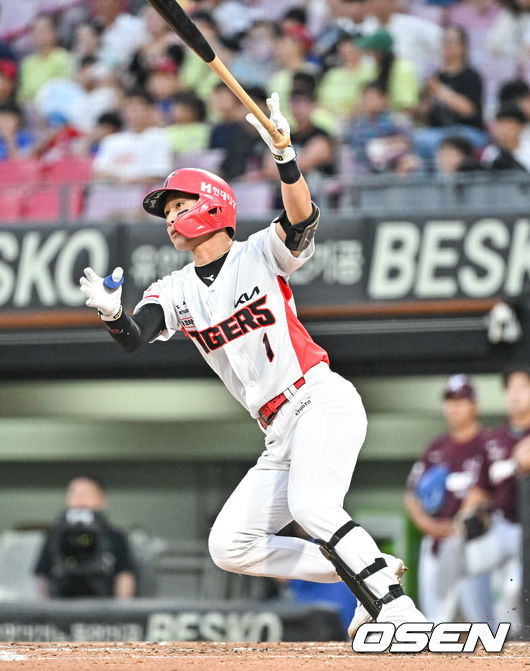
<point>83,554</point>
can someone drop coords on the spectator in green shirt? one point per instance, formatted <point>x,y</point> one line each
<point>340,88</point>
<point>291,48</point>
<point>189,131</point>
<point>49,61</point>
<point>397,75</point>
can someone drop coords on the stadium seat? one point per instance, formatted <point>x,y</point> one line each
<point>20,171</point>
<point>76,201</point>
<point>106,202</point>
<point>18,554</point>
<point>219,585</point>
<point>185,570</point>
<point>76,170</point>
<point>209,159</point>
<point>10,204</point>
<point>52,202</point>
<point>145,549</point>
<point>179,569</point>
<point>42,204</point>
<point>253,199</point>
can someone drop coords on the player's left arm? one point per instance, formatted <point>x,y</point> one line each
<point>297,203</point>
<point>104,294</point>
<point>297,225</point>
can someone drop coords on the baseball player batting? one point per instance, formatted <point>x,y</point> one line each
<point>235,304</point>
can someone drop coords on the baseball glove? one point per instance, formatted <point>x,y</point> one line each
<point>475,523</point>
<point>431,490</point>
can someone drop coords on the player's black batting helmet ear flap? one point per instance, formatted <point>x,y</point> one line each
<point>155,201</point>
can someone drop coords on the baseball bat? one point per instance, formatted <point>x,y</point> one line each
<point>183,26</point>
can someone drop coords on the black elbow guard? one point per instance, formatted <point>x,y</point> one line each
<point>298,236</point>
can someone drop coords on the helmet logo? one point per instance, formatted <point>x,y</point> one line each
<point>219,193</point>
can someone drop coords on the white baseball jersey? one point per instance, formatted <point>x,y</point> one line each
<point>244,323</point>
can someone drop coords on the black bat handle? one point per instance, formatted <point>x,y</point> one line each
<point>180,22</point>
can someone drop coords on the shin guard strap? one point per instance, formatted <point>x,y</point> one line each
<point>367,571</point>
<point>361,591</point>
<point>394,592</point>
<point>355,581</point>
<point>340,533</point>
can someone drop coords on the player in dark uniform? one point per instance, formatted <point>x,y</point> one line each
<point>438,483</point>
<point>507,457</point>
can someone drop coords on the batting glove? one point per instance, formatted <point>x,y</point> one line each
<point>281,123</point>
<point>103,293</point>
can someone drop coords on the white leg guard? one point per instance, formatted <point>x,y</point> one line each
<point>370,582</point>
<point>373,579</point>
<point>361,615</point>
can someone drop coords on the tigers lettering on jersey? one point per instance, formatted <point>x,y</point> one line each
<point>250,318</point>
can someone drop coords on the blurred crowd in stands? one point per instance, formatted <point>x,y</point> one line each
<point>369,86</point>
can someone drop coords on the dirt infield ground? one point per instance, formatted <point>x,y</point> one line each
<point>228,656</point>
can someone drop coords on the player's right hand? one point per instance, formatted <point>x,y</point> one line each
<point>103,293</point>
<point>279,122</point>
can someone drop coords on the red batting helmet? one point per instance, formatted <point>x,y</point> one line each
<point>214,210</point>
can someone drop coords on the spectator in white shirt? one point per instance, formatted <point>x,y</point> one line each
<point>139,153</point>
<point>122,33</point>
<point>416,39</point>
<point>97,97</point>
<point>509,37</point>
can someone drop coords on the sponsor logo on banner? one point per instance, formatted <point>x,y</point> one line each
<point>449,258</point>
<point>368,261</point>
<point>334,262</point>
<point>42,269</point>
<point>149,263</point>
<point>71,631</point>
<point>376,637</point>
<point>214,626</point>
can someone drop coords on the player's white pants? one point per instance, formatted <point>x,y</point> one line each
<point>499,551</point>
<point>440,601</point>
<point>303,474</point>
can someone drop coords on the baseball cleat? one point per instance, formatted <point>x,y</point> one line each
<point>361,615</point>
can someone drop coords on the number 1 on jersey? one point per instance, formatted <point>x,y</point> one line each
<point>268,348</point>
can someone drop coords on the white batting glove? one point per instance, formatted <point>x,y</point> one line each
<point>281,123</point>
<point>103,293</point>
